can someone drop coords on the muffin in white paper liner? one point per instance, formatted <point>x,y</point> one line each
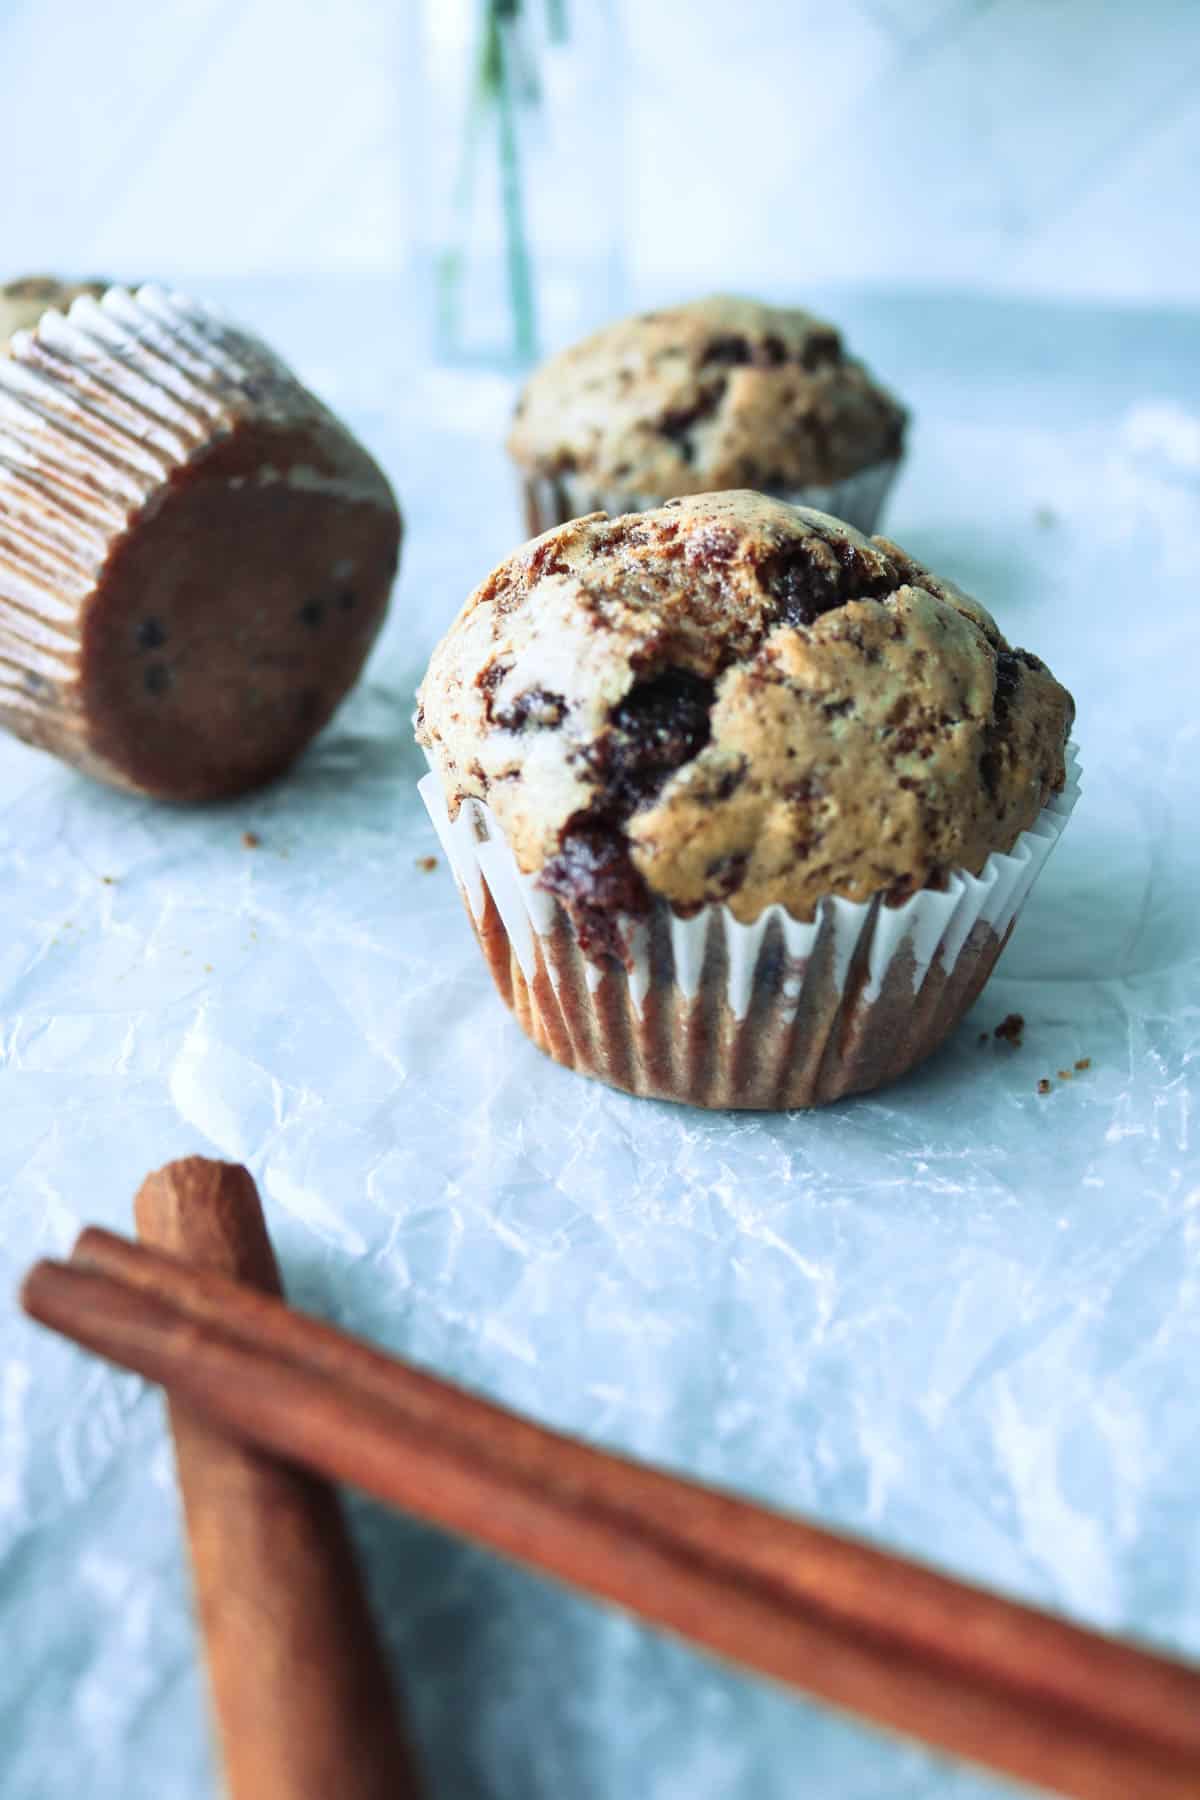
<point>195,554</point>
<point>773,1014</point>
<point>550,500</point>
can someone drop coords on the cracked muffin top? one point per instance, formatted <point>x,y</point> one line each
<point>25,301</point>
<point>734,699</point>
<point>721,393</point>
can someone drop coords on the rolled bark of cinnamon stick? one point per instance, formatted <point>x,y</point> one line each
<point>300,1690</point>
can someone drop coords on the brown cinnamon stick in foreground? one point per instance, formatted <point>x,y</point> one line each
<point>1016,1690</point>
<point>299,1686</point>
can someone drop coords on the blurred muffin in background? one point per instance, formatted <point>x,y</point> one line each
<point>720,393</point>
<point>195,554</point>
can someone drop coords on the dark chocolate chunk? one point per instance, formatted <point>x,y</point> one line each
<point>730,780</point>
<point>803,586</point>
<point>1009,664</point>
<point>312,613</point>
<point>157,678</point>
<point>729,348</point>
<point>822,347</point>
<point>659,725</point>
<point>536,708</point>
<point>596,881</point>
<point>150,635</point>
<point>679,422</point>
<point>1008,679</point>
<point>810,578</point>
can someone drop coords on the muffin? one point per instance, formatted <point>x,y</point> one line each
<point>742,804</point>
<point>721,393</point>
<point>22,302</point>
<point>195,555</point>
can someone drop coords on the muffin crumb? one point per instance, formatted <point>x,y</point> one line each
<point>1085,1062</point>
<point>1064,1075</point>
<point>428,863</point>
<point>1011,1030</point>
<point>250,840</point>
<point>1043,1086</point>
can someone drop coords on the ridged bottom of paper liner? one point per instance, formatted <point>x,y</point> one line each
<point>195,556</point>
<point>859,499</point>
<point>767,1016</point>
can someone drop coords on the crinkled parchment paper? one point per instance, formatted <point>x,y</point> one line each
<point>958,1316</point>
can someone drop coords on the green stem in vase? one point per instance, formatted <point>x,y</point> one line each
<point>516,242</point>
<point>494,90</point>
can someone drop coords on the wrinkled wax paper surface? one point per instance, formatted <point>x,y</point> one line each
<point>958,1316</point>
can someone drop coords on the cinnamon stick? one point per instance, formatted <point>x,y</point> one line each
<point>1016,1690</point>
<point>300,1690</point>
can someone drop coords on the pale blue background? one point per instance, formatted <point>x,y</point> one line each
<point>958,1317</point>
<point>1037,146</point>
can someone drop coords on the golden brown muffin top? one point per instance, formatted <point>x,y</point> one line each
<point>24,301</point>
<point>733,699</point>
<point>720,393</point>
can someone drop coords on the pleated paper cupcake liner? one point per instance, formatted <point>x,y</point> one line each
<point>97,409</point>
<point>107,413</point>
<point>770,1015</point>
<point>859,499</point>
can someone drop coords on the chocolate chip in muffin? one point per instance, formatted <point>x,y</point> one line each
<point>536,709</point>
<point>728,348</point>
<point>597,883</point>
<point>150,635</point>
<point>679,422</point>
<point>809,578</point>
<point>660,725</point>
<point>1009,667</point>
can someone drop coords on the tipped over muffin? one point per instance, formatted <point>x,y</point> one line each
<point>195,554</point>
<point>721,393</point>
<point>23,302</point>
<point>743,803</point>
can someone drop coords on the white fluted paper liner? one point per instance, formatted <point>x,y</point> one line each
<point>934,923</point>
<point>858,499</point>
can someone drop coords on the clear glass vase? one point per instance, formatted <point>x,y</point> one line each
<point>522,241</point>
